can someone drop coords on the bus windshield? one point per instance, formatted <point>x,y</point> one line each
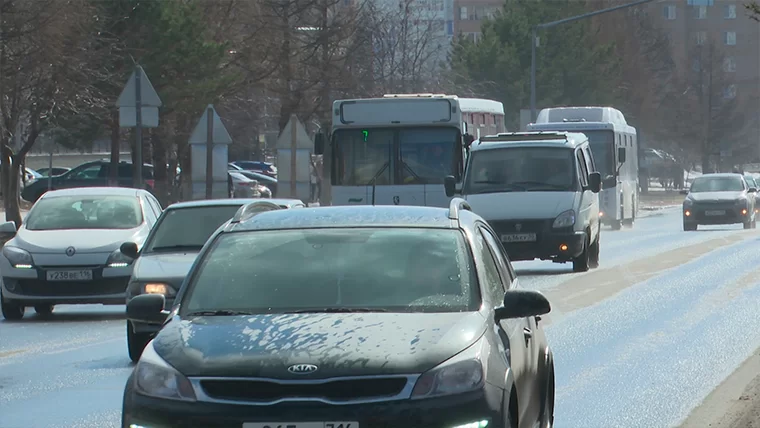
<point>602,144</point>
<point>383,156</point>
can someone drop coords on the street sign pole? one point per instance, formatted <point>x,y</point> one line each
<point>138,130</point>
<point>293,163</point>
<point>209,153</point>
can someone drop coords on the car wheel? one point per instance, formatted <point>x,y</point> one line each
<point>136,343</point>
<point>748,225</point>
<point>12,310</point>
<point>594,256</point>
<point>547,413</point>
<point>581,263</point>
<point>43,309</point>
<point>689,226</point>
<point>616,224</point>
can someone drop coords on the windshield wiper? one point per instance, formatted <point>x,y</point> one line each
<point>177,247</point>
<point>336,310</point>
<point>219,312</point>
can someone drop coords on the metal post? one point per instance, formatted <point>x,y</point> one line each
<point>138,129</point>
<point>564,21</point>
<point>293,164</point>
<point>533,74</point>
<point>209,153</point>
<point>50,169</point>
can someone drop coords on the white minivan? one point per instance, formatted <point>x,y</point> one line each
<point>540,193</point>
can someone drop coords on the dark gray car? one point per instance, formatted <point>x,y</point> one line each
<point>352,316</point>
<point>719,199</point>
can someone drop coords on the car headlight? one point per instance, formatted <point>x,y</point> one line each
<point>117,259</point>
<point>158,288</point>
<point>17,257</point>
<point>154,377</point>
<point>463,373</point>
<point>566,219</point>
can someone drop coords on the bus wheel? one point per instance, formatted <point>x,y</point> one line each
<point>616,224</point>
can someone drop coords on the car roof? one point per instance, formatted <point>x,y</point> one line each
<point>93,191</point>
<point>720,174</point>
<point>211,203</point>
<point>563,139</point>
<point>348,217</point>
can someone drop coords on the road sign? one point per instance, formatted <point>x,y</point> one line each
<point>209,153</point>
<point>200,133</point>
<point>294,149</point>
<point>138,108</point>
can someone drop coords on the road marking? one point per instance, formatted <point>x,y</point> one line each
<point>590,288</point>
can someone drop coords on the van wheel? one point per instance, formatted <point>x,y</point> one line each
<point>616,224</point>
<point>594,256</point>
<point>582,262</point>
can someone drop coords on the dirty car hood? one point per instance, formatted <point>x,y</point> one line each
<point>339,344</point>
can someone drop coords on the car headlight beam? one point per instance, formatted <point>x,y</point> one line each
<point>117,259</point>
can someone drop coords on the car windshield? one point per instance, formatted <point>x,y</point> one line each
<point>85,212</point>
<point>372,269</point>
<point>520,169</point>
<point>188,228</point>
<point>717,184</point>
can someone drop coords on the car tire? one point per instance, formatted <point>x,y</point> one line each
<point>43,310</point>
<point>748,225</point>
<point>547,410</point>
<point>689,227</point>
<point>12,310</point>
<point>616,225</point>
<point>136,342</point>
<point>582,262</point>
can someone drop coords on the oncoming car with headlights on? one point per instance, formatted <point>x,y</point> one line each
<point>67,249</point>
<point>170,249</point>
<point>719,199</point>
<point>350,317</point>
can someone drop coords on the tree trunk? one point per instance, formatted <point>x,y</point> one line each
<point>11,200</point>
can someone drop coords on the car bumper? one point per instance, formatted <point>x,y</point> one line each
<point>448,412</point>
<point>108,286</point>
<point>715,215</point>
<point>563,246</point>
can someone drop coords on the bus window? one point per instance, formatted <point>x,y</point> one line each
<point>603,150</point>
<point>427,155</point>
<point>362,155</point>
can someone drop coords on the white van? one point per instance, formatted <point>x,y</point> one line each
<point>540,193</point>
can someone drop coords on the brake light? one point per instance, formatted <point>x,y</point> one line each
<point>151,183</point>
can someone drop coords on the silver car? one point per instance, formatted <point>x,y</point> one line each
<point>67,250</point>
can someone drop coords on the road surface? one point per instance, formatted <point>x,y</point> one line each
<point>639,342</point>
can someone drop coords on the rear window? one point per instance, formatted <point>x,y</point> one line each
<point>381,269</point>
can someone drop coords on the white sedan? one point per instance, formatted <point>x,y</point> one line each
<point>67,250</point>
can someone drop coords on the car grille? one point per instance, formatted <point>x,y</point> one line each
<point>337,390</point>
<point>98,287</point>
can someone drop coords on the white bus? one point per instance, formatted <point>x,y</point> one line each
<point>396,150</point>
<point>614,148</point>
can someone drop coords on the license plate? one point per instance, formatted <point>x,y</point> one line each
<point>519,237</point>
<point>69,275</point>
<point>301,425</point>
<point>716,212</point>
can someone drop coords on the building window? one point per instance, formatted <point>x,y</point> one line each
<point>696,65</point>
<point>729,64</point>
<point>463,13</point>
<point>730,11</point>
<point>700,12</point>
<point>700,2</point>
<point>700,37</point>
<point>730,38</point>
<point>730,92</point>
<point>473,37</point>
<point>449,28</point>
<point>669,12</point>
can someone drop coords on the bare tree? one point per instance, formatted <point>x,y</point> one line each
<point>43,73</point>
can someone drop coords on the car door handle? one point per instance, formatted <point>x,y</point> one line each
<point>527,333</point>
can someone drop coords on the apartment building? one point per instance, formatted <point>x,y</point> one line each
<point>469,15</point>
<point>727,25</point>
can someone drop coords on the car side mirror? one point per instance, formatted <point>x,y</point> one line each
<point>621,154</point>
<point>595,182</point>
<point>129,249</point>
<point>8,228</point>
<point>147,308</point>
<point>522,304</point>
<point>319,143</point>
<point>752,190</point>
<point>450,185</point>
<point>684,192</point>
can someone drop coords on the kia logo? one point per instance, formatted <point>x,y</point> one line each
<point>302,368</point>
<point>71,251</point>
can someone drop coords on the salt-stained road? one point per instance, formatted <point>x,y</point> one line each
<point>638,342</point>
